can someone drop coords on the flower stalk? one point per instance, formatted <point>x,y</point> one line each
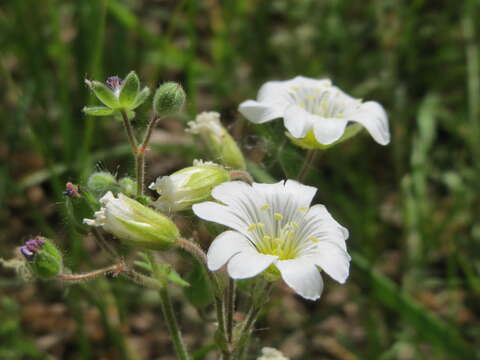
<point>167,311</point>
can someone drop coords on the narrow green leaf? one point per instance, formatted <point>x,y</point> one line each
<point>97,110</point>
<point>129,90</point>
<point>104,94</point>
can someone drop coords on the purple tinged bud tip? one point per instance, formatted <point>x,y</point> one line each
<point>114,82</point>
<point>71,190</point>
<point>31,247</point>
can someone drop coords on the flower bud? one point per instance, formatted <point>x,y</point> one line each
<point>134,224</point>
<point>188,186</point>
<point>102,181</point>
<point>217,139</point>
<point>117,94</point>
<point>128,185</point>
<point>44,259</point>
<point>169,99</point>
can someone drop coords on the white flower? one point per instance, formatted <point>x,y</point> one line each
<point>269,353</point>
<point>317,108</point>
<point>133,223</point>
<point>188,186</point>
<point>275,229</point>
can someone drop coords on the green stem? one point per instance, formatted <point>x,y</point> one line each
<point>230,306</point>
<point>307,164</point>
<point>130,133</point>
<point>141,155</point>
<point>168,313</point>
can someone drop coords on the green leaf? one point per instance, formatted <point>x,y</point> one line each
<point>175,278</point>
<point>141,97</point>
<point>104,94</point>
<point>129,91</point>
<point>199,292</point>
<point>97,110</point>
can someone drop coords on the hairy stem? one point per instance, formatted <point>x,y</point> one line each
<point>130,133</point>
<point>230,306</point>
<point>113,269</point>
<point>141,155</point>
<point>168,313</point>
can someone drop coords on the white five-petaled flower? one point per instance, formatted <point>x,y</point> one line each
<point>275,229</point>
<point>315,107</point>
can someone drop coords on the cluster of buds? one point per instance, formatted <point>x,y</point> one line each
<point>117,95</point>
<point>43,257</point>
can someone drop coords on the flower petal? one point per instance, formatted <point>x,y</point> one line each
<point>319,223</point>
<point>297,121</point>
<point>220,214</point>
<point>333,260</point>
<point>248,263</point>
<point>373,117</point>
<point>226,245</point>
<point>302,276</point>
<point>258,112</point>
<point>303,193</point>
<point>328,130</point>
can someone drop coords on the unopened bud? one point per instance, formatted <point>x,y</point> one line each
<point>216,138</point>
<point>128,185</point>
<point>169,99</point>
<point>134,224</point>
<point>44,259</point>
<point>188,186</point>
<point>71,190</point>
<point>102,181</point>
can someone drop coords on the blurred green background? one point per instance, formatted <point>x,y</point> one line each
<point>411,207</point>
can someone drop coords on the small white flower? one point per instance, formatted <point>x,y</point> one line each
<point>276,229</point>
<point>315,106</point>
<point>133,223</point>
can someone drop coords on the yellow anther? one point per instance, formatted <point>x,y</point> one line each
<point>295,224</point>
<point>303,209</point>
<point>260,225</point>
<point>278,216</point>
<point>252,227</point>
<point>314,239</point>
<point>265,207</point>
<point>267,238</point>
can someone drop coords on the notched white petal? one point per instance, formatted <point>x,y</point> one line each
<point>302,276</point>
<point>248,263</point>
<point>328,130</point>
<point>258,112</point>
<point>333,260</point>
<point>374,118</point>
<point>226,245</point>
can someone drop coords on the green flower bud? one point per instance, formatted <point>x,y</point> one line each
<point>44,259</point>
<point>134,224</point>
<point>217,139</point>
<point>169,99</point>
<point>102,181</point>
<point>117,94</point>
<point>310,142</point>
<point>188,186</point>
<point>128,185</point>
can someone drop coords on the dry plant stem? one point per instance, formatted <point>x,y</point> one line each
<point>307,164</point>
<point>168,313</point>
<point>241,175</point>
<point>113,269</point>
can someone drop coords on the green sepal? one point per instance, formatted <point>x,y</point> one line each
<point>141,97</point>
<point>104,94</point>
<point>310,142</point>
<point>47,263</point>
<point>129,90</point>
<point>97,110</point>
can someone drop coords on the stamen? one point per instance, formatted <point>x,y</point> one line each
<point>314,239</point>
<point>278,216</point>
<point>265,207</point>
<point>252,227</point>
<point>303,209</point>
